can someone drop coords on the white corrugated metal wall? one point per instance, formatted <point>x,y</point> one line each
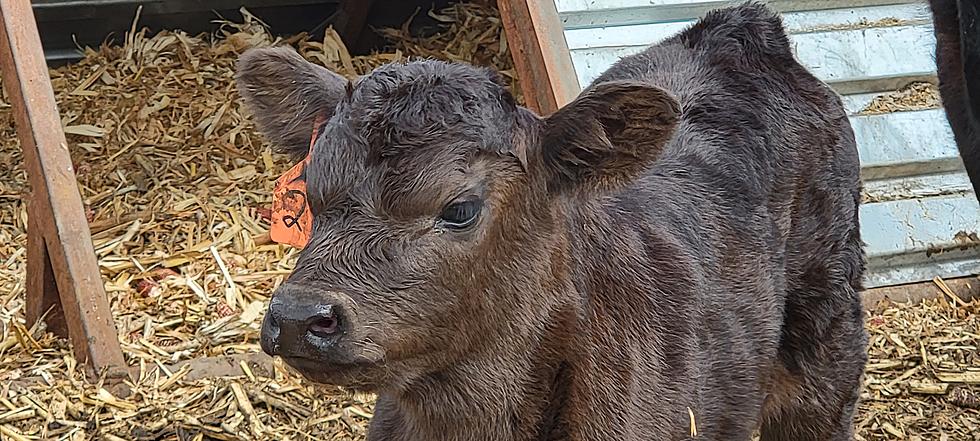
<point>920,216</point>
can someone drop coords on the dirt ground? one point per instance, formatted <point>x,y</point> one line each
<point>177,186</point>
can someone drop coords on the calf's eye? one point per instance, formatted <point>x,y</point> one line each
<point>459,215</point>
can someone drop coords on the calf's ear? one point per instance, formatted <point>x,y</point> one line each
<point>285,93</point>
<point>607,136</point>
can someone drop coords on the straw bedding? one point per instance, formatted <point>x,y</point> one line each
<point>177,184</point>
<point>915,96</point>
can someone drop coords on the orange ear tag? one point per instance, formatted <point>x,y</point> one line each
<point>291,216</point>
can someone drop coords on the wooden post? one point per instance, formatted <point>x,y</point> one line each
<point>537,44</point>
<point>42,289</point>
<point>350,20</point>
<point>60,252</point>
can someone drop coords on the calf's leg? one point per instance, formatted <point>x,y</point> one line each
<point>817,379</point>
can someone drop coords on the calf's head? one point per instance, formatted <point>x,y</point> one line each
<point>438,207</point>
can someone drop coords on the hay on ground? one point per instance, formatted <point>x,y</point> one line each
<point>177,184</point>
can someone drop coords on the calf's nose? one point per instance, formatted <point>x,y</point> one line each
<point>300,323</point>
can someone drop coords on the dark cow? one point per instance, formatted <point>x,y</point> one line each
<point>957,29</point>
<point>675,252</point>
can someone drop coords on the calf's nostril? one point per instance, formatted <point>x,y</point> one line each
<point>324,326</point>
<point>269,340</point>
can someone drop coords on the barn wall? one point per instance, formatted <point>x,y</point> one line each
<point>65,25</point>
<point>920,216</point>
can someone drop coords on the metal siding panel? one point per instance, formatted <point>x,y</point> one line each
<point>917,225</point>
<point>835,56</point>
<point>855,103</point>
<point>590,63</point>
<point>615,36</point>
<point>955,183</point>
<point>643,34</point>
<point>912,240</point>
<point>567,6</point>
<point>888,274</point>
<point>589,5</point>
<point>919,210</point>
<point>577,14</point>
<point>892,139</point>
<point>862,53</point>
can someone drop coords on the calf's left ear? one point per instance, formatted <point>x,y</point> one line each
<point>607,136</point>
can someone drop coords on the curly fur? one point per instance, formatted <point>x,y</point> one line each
<point>681,239</point>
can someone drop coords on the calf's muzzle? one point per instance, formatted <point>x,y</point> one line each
<point>303,322</point>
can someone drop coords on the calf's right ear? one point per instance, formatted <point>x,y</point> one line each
<point>285,93</point>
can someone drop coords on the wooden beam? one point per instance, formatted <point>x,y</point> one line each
<point>966,288</point>
<point>537,44</point>
<point>56,206</point>
<point>42,288</point>
<point>350,20</point>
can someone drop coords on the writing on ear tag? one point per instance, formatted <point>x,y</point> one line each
<point>291,216</point>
